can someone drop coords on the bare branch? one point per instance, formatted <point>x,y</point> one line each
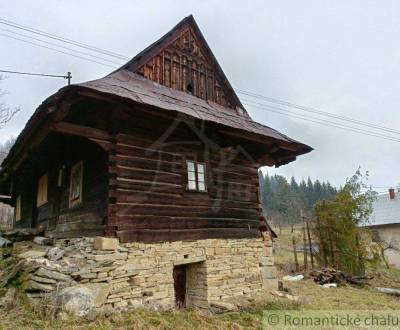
<point>6,113</point>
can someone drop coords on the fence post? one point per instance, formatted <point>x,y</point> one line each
<point>305,248</point>
<point>295,254</point>
<point>310,244</point>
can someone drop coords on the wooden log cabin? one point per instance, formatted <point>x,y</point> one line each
<point>161,157</point>
<point>159,150</point>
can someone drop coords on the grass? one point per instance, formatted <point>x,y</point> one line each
<point>311,297</point>
<point>25,317</point>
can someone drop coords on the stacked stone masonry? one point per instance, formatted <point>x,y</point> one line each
<point>137,274</point>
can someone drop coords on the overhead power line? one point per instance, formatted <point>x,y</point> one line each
<point>67,76</point>
<point>319,112</point>
<point>60,46</point>
<point>320,121</point>
<point>262,106</point>
<point>63,39</point>
<point>57,50</point>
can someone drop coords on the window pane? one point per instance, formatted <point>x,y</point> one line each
<point>191,176</point>
<point>200,177</point>
<point>190,166</point>
<point>192,185</point>
<point>202,186</point>
<point>200,168</point>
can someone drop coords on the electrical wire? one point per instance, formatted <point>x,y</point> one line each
<point>319,112</point>
<point>321,122</point>
<point>263,106</point>
<point>60,46</point>
<point>63,39</point>
<point>34,74</point>
<point>57,50</point>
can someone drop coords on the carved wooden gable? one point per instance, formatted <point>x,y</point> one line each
<point>183,61</point>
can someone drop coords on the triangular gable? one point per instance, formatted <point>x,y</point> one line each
<point>182,60</point>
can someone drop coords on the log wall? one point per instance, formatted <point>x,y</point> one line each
<point>149,200</point>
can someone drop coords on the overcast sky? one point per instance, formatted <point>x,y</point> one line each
<point>341,57</point>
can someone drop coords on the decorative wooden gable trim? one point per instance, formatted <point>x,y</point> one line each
<point>182,60</point>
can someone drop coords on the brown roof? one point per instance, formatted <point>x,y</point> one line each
<point>125,84</point>
<point>135,88</point>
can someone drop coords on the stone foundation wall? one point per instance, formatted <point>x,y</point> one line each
<point>138,274</point>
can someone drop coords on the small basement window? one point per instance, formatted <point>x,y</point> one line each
<point>18,208</point>
<point>75,186</point>
<point>42,190</point>
<point>196,176</point>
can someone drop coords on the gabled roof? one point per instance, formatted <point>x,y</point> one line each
<point>188,23</point>
<point>133,87</point>
<point>385,211</point>
<point>126,85</point>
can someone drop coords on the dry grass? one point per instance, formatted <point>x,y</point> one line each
<point>315,297</point>
<point>311,297</point>
<point>23,316</point>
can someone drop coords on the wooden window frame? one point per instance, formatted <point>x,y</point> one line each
<point>18,214</point>
<point>42,190</point>
<point>78,200</point>
<point>196,176</point>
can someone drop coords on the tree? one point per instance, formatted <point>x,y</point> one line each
<point>338,226</point>
<point>6,112</point>
<point>282,201</point>
<point>5,148</point>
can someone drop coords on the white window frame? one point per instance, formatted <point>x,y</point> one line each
<point>196,176</point>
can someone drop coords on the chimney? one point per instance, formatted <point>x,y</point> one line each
<point>391,193</point>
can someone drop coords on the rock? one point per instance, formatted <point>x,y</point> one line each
<point>135,303</point>
<point>293,278</point>
<point>22,234</point>
<point>8,300</point>
<point>395,292</point>
<point>285,295</point>
<point>42,279</point>
<point>106,243</point>
<point>62,316</point>
<point>291,297</point>
<point>5,278</point>
<point>40,240</point>
<point>36,286</point>
<point>219,307</point>
<point>44,272</point>
<point>32,254</point>
<point>37,262</point>
<point>110,257</point>
<point>329,285</point>
<point>55,253</point>
<point>4,242</point>
<point>82,298</point>
<point>268,272</point>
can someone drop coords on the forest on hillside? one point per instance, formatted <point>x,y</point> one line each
<point>283,202</point>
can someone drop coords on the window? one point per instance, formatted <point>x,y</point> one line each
<point>42,190</point>
<point>18,209</point>
<point>196,176</point>
<point>75,186</point>
<point>60,177</point>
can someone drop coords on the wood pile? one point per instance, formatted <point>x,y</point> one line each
<point>331,275</point>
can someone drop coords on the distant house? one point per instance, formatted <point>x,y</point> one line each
<point>385,223</point>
